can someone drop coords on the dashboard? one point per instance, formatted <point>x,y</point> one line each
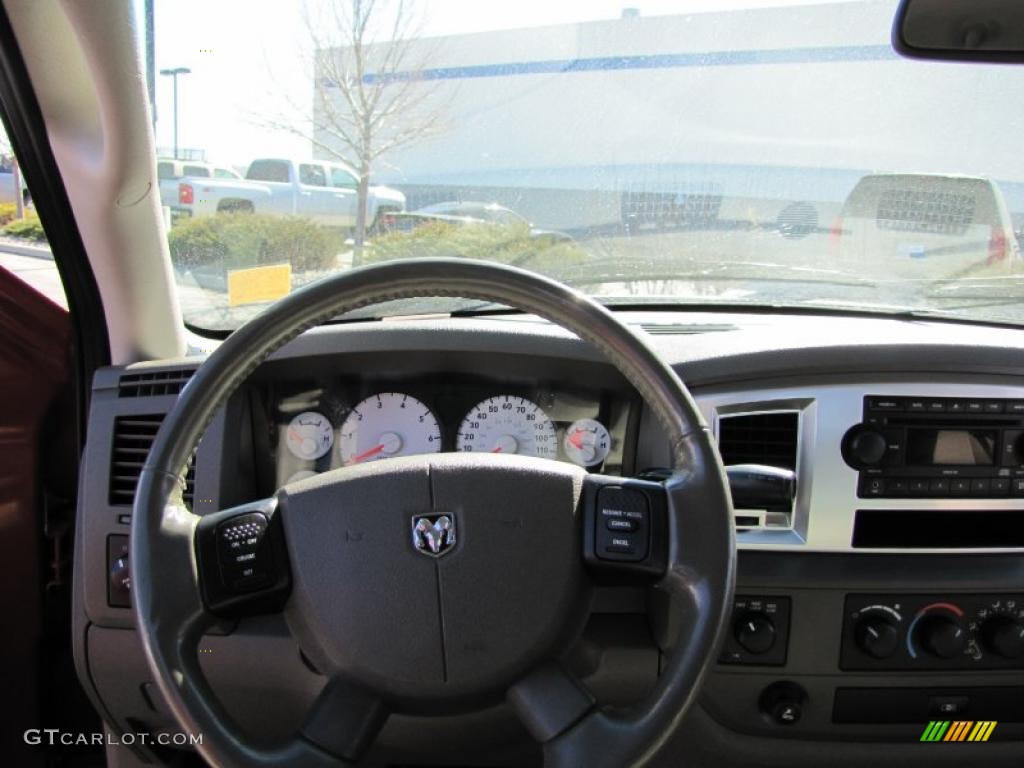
<point>884,590</point>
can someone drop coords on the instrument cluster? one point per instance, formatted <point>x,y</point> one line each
<point>322,426</point>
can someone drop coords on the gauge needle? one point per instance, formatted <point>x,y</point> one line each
<point>367,454</point>
<point>496,450</point>
<point>576,439</point>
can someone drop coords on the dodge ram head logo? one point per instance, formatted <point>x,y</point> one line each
<point>433,535</point>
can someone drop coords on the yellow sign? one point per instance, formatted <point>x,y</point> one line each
<point>258,284</point>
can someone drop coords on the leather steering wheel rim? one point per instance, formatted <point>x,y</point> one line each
<point>699,579</point>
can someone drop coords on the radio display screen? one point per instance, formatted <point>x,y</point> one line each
<point>951,447</point>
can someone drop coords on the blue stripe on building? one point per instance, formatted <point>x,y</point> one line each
<point>819,55</point>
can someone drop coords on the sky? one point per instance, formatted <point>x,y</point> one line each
<point>248,55</point>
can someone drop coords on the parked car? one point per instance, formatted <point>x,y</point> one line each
<point>469,213</point>
<point>170,172</point>
<point>952,223</point>
<point>322,191</point>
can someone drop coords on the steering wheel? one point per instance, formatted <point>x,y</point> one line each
<point>440,583</point>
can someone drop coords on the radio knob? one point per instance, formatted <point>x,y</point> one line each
<point>876,636</point>
<point>942,636</point>
<point>865,447</point>
<point>1004,635</point>
<point>755,632</point>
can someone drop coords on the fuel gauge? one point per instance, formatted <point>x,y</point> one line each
<point>587,442</point>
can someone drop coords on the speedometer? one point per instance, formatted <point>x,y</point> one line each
<point>386,425</point>
<point>508,424</point>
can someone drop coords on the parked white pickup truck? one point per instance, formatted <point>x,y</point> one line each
<point>322,191</point>
<point>170,173</point>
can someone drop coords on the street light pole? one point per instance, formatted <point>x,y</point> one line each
<point>173,73</point>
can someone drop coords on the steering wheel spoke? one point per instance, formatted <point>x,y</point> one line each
<point>243,562</point>
<point>344,720</point>
<point>549,701</point>
<point>624,528</point>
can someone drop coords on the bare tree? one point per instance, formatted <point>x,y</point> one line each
<point>370,96</point>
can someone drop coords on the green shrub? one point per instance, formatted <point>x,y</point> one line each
<point>240,240</point>
<point>28,228</point>
<point>506,244</point>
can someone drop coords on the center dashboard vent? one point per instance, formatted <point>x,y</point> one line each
<point>133,438</point>
<point>759,438</point>
<point>153,384</point>
<point>768,439</point>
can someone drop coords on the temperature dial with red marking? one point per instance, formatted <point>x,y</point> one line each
<point>587,442</point>
<point>938,630</point>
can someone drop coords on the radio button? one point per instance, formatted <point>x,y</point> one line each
<point>1000,486</point>
<point>916,405</point>
<point>917,488</point>
<point>993,406</point>
<point>981,487</point>
<point>1012,448</point>
<point>956,406</point>
<point>897,487</point>
<point>873,486</point>
<point>1015,406</point>
<point>939,488</point>
<point>885,404</point>
<point>1017,486</point>
<point>959,487</point>
<point>975,406</point>
<point>936,406</point>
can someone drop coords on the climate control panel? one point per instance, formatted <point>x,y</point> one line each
<point>933,632</point>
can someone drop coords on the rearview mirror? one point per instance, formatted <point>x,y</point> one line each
<point>960,30</point>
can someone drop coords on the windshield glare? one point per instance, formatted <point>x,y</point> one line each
<point>694,153</point>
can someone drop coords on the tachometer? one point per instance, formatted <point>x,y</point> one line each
<point>587,442</point>
<point>508,424</point>
<point>309,435</point>
<point>386,425</point>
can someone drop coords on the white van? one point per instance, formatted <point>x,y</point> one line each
<point>924,225</point>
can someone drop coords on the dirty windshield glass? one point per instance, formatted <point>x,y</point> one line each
<point>671,152</point>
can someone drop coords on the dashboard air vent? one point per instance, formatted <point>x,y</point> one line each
<point>133,437</point>
<point>759,438</point>
<point>153,384</point>
<point>684,329</point>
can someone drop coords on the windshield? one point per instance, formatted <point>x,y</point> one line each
<point>671,152</point>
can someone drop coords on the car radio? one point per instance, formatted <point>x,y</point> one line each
<point>938,447</point>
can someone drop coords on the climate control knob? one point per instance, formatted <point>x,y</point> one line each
<point>942,636</point>
<point>1004,635</point>
<point>876,636</point>
<point>865,446</point>
<point>755,632</point>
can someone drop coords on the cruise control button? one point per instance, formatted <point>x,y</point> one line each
<point>620,524</point>
<point>240,536</point>
<point>245,577</point>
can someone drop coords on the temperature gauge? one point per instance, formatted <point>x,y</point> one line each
<point>587,442</point>
<point>309,435</point>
